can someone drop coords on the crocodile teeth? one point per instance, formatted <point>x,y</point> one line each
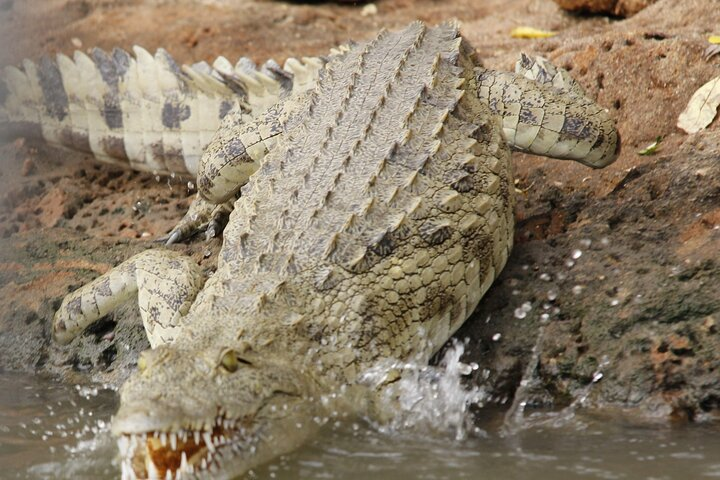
<point>124,445</point>
<point>183,462</point>
<point>152,470</point>
<point>163,439</point>
<point>173,441</point>
<point>127,471</point>
<point>208,441</point>
<point>196,437</point>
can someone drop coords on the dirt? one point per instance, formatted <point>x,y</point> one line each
<point>614,282</point>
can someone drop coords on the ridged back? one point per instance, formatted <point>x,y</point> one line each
<point>345,184</point>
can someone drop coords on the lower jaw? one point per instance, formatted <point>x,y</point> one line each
<point>174,456</point>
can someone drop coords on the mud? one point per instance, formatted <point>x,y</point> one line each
<point>615,277</point>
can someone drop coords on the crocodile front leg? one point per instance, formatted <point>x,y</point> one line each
<point>166,284</point>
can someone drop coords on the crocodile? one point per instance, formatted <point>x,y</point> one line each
<point>372,208</point>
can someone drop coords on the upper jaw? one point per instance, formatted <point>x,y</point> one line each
<point>146,415</point>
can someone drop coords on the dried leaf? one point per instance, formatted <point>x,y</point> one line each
<point>530,32</point>
<point>652,148</point>
<point>715,39</point>
<point>702,108</point>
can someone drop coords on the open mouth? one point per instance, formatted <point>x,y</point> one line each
<point>183,453</point>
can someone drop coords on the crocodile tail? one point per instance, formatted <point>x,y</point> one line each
<point>143,112</point>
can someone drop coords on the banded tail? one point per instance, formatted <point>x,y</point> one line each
<point>144,112</point>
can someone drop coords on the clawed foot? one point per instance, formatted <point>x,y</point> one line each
<point>201,215</point>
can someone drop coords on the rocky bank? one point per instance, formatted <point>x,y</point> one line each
<point>612,293</point>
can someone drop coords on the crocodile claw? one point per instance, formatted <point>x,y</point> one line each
<point>212,230</point>
<point>173,237</point>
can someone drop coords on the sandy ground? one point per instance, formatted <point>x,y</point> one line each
<point>615,276</point>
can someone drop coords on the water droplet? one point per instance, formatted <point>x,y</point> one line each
<point>552,295</point>
<point>597,377</point>
<point>577,289</point>
<point>496,337</point>
<point>545,277</point>
<point>576,254</point>
<point>544,318</point>
<point>585,242</point>
<point>614,302</point>
<point>569,263</point>
<point>519,313</point>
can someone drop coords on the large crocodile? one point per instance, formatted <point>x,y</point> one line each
<point>381,213</point>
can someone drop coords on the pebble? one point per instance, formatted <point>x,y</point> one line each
<point>369,9</point>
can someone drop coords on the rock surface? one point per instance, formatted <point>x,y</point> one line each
<point>622,8</point>
<point>614,282</point>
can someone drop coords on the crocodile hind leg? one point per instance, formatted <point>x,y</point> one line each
<point>544,111</point>
<point>235,153</point>
<point>166,284</point>
<point>201,214</point>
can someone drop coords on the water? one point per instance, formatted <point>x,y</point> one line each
<point>50,431</point>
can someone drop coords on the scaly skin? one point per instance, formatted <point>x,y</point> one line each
<point>378,219</point>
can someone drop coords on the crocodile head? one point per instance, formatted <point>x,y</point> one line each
<point>215,412</point>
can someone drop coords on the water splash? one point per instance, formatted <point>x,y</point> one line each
<point>424,398</point>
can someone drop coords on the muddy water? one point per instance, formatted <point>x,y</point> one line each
<point>49,431</point>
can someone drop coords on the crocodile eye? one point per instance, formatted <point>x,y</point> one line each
<point>229,361</point>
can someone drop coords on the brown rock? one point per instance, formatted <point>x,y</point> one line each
<point>626,8</point>
<point>622,8</point>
